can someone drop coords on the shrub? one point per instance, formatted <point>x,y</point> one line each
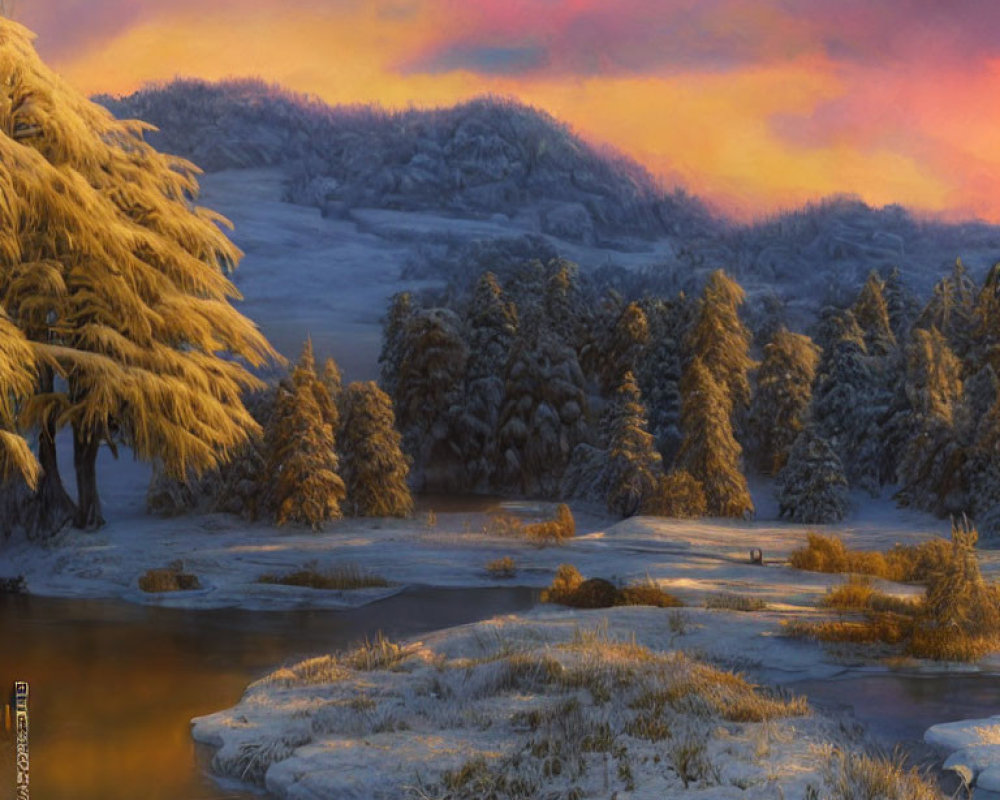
<point>851,776</point>
<point>556,530</point>
<point>571,589</point>
<point>342,578</point>
<point>677,495</point>
<point>904,563</point>
<point>504,567</point>
<point>567,580</point>
<point>171,579</point>
<point>647,593</point>
<point>503,524</point>
<point>858,594</point>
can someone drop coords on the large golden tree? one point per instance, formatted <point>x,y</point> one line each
<point>119,282</point>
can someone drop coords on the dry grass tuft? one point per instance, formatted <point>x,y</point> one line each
<point>342,578</point>
<point>380,653</point>
<point>857,776</point>
<point>504,567</point>
<point>557,530</point>
<point>647,593</point>
<point>171,579</point>
<point>904,563</point>
<point>735,602</point>
<point>569,588</point>
<point>858,594</point>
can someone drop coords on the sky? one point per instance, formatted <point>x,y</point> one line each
<point>756,105</point>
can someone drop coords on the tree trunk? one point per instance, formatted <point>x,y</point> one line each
<point>45,511</point>
<point>85,446</point>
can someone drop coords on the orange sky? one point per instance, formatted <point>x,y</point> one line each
<point>756,105</point>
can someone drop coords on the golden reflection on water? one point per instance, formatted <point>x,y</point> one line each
<point>114,686</point>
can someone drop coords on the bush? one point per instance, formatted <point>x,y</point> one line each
<point>342,578</point>
<point>735,602</point>
<point>504,567</point>
<point>903,563</point>
<point>571,589</point>
<point>677,495</point>
<point>171,579</point>
<point>556,530</point>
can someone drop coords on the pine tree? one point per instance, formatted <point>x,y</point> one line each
<point>627,339</point>
<point>375,468</point>
<point>305,374</point>
<point>811,488</point>
<point>872,315</point>
<point>781,402</point>
<point>933,391</point>
<point>710,452</point>
<point>565,314</point>
<point>491,323</point>
<point>301,459</point>
<point>952,310</point>
<point>633,462</point>
<point>676,495</point>
<point>17,378</point>
<point>430,388</point>
<point>119,282</point>
<point>986,320</point>
<point>394,343</point>
<point>721,341</point>
<point>543,414</point>
<point>333,382</point>
<point>902,305</point>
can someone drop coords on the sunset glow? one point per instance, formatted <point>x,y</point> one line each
<point>756,105</point>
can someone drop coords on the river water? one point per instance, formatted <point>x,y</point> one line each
<point>115,685</point>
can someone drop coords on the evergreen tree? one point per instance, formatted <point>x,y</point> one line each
<point>659,371</point>
<point>811,488</point>
<point>627,339</point>
<point>120,283</point>
<point>333,381</point>
<point>676,495</point>
<point>394,343</point>
<point>564,311</point>
<point>781,402</point>
<point>375,468</point>
<point>633,462</point>
<point>491,325</point>
<point>721,341</point>
<point>17,378</point>
<point>301,461</point>
<point>710,452</point>
<point>542,417</point>
<point>902,305</point>
<point>985,348</point>
<point>305,374</point>
<point>430,388</point>
<point>933,390</point>
<point>952,310</point>
<point>872,315</point>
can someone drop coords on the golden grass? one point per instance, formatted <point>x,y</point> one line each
<point>556,530</point>
<point>858,776</point>
<point>569,588</point>
<point>858,594</point>
<point>504,567</point>
<point>341,578</point>
<point>168,580</point>
<point>903,563</point>
<point>735,602</point>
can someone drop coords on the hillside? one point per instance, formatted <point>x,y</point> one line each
<point>485,157</point>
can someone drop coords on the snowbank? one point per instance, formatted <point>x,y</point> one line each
<point>974,747</point>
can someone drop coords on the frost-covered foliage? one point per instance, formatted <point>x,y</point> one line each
<point>933,391</point>
<point>951,309</point>
<point>849,399</point>
<point>491,327</point>
<point>721,341</point>
<point>659,371</point>
<point>782,397</point>
<point>872,314</point>
<point>488,154</point>
<point>394,342</point>
<point>542,417</point>
<point>586,474</point>
<point>429,394</point>
<point>901,304</point>
<point>626,341</point>
<point>120,282</point>
<point>678,495</point>
<point>302,464</point>
<point>374,466</point>
<point>710,452</point>
<point>634,465</point>
<point>812,488</point>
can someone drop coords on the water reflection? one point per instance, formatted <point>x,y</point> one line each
<point>113,685</point>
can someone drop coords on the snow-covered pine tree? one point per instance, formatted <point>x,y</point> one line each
<point>710,452</point>
<point>634,465</point>
<point>301,459</point>
<point>902,305</point>
<point>952,310</point>
<point>390,358</point>
<point>491,325</point>
<point>374,467</point>
<point>333,381</point>
<point>933,390</point>
<point>721,341</point>
<point>872,315</point>
<point>627,339</point>
<point>781,401</point>
<point>429,390</point>
<point>985,347</point>
<point>305,374</point>
<point>659,371</point>
<point>543,414</point>
<point>849,400</point>
<point>811,488</point>
<point>677,495</point>
<point>120,283</point>
<point>563,307</point>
